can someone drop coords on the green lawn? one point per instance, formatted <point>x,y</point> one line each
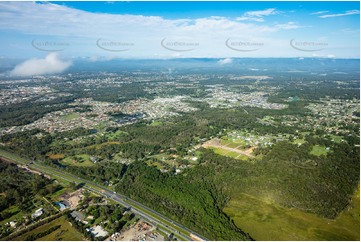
<point>220,151</point>
<point>65,232</point>
<point>156,123</point>
<point>228,153</point>
<point>156,164</point>
<point>99,146</point>
<point>299,141</point>
<point>60,192</point>
<point>71,116</point>
<point>337,139</point>
<point>71,161</point>
<point>234,145</point>
<point>232,154</point>
<point>114,135</point>
<point>318,150</point>
<point>224,141</point>
<point>264,220</point>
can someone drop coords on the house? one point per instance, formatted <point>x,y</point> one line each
<point>62,205</point>
<point>78,216</point>
<point>37,213</point>
<point>12,224</point>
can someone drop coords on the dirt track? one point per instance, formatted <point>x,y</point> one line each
<point>217,144</point>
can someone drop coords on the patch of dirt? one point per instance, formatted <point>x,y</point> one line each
<point>217,144</point>
<point>140,231</point>
<point>72,199</point>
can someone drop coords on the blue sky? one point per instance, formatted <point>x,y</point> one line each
<point>107,30</point>
<point>176,9</point>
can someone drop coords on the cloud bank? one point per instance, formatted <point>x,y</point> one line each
<point>51,64</point>
<point>140,36</point>
<point>49,22</point>
<point>225,61</point>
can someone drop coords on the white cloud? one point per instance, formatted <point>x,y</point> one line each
<point>319,12</point>
<point>51,64</point>
<point>58,20</point>
<point>266,12</point>
<point>349,12</point>
<point>244,18</point>
<point>81,29</point>
<point>225,61</point>
<point>257,16</point>
<point>289,25</point>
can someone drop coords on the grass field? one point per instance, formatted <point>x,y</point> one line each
<point>60,192</point>
<point>156,164</point>
<point>227,153</point>
<point>99,146</point>
<point>71,161</point>
<point>299,141</point>
<point>71,116</point>
<point>232,143</point>
<point>16,214</point>
<point>56,156</point>
<point>155,123</point>
<point>65,232</point>
<point>114,135</point>
<point>336,139</point>
<point>264,220</point>
<point>318,150</point>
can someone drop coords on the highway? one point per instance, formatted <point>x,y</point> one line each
<point>163,223</point>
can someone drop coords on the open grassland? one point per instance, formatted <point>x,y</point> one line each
<point>318,150</point>
<point>82,160</point>
<point>57,194</point>
<point>65,232</point>
<point>114,135</point>
<point>264,220</point>
<point>227,153</point>
<point>99,146</point>
<point>299,141</point>
<point>336,139</point>
<point>232,143</point>
<point>229,149</point>
<point>156,123</point>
